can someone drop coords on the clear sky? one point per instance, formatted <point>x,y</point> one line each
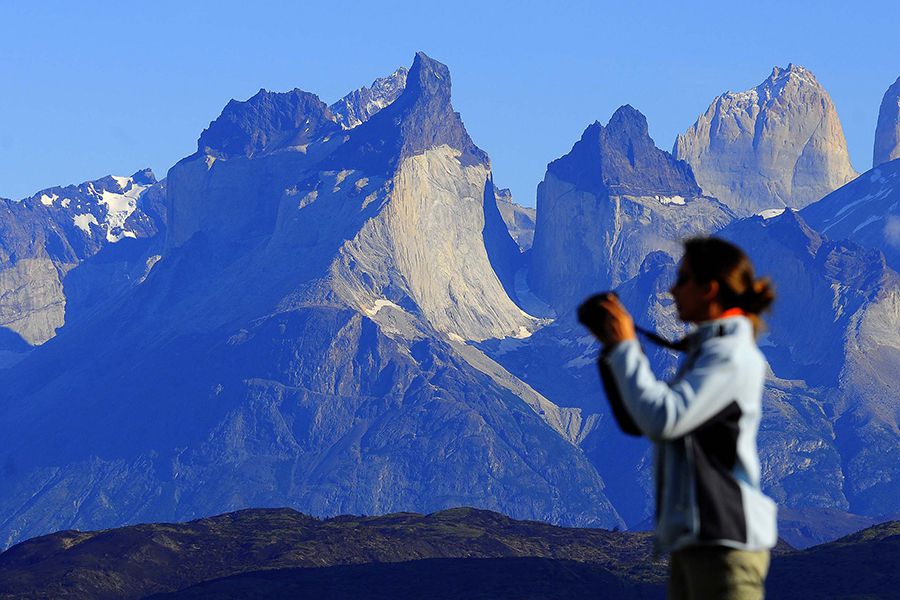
<point>97,88</point>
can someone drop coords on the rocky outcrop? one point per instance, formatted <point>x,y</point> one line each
<point>776,145</point>
<point>359,105</point>
<point>887,131</point>
<point>604,206</point>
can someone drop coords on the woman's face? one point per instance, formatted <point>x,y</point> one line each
<point>692,299</point>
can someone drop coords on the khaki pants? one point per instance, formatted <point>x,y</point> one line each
<point>717,573</point>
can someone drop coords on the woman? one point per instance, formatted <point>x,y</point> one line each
<point>711,513</point>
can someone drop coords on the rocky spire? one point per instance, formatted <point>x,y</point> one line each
<point>778,144</point>
<point>887,132</point>
<point>422,118</point>
<point>621,158</point>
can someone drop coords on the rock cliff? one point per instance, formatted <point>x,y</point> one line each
<point>778,144</point>
<point>887,131</point>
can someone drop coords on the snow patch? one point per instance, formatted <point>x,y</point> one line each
<point>892,231</point>
<point>523,331</point>
<point>843,213</point>
<point>48,200</point>
<point>118,208</point>
<point>770,213</point>
<point>379,304</point>
<point>122,181</point>
<point>83,222</point>
<point>583,360</point>
<point>871,219</point>
<point>671,200</point>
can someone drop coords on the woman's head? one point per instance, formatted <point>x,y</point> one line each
<point>715,276</point>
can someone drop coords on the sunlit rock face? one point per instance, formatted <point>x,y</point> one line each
<point>519,219</point>
<point>611,201</point>
<point>887,131</point>
<point>776,145</point>
<point>44,237</point>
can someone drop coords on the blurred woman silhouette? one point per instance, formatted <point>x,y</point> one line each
<point>711,513</point>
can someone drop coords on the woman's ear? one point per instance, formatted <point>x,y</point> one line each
<point>710,291</point>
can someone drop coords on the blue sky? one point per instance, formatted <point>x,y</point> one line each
<point>97,88</point>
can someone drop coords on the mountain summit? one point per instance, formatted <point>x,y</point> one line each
<point>778,144</point>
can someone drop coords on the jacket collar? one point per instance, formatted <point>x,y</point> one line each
<point>728,325</point>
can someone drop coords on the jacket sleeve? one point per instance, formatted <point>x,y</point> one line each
<point>620,413</point>
<point>662,411</point>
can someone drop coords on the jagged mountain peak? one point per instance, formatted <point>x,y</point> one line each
<point>628,119</point>
<point>429,77</point>
<point>622,158</point>
<point>144,177</point>
<point>359,105</point>
<point>420,119</point>
<point>266,122</point>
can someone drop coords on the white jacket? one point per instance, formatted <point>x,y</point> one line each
<point>703,424</point>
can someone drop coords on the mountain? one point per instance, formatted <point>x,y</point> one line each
<point>776,145</point>
<point>519,219</point>
<point>356,107</point>
<point>828,436</point>
<point>301,341</point>
<point>601,208</point>
<point>831,333</point>
<point>866,210</point>
<point>887,131</point>
<point>336,317</point>
<point>47,238</point>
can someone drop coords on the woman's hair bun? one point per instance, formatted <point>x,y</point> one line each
<point>758,297</point>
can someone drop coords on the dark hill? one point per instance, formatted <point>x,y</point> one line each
<point>457,553</point>
<point>136,561</point>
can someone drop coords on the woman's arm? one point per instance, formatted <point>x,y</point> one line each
<point>664,411</point>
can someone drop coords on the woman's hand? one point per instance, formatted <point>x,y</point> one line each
<point>607,319</point>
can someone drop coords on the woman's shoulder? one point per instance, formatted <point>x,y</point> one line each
<point>731,336</point>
